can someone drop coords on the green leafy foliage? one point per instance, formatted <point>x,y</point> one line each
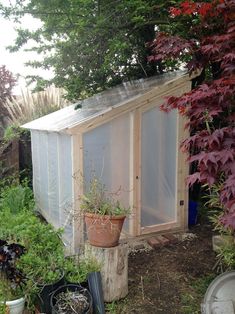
<point>9,292</point>
<point>16,198</point>
<point>77,269</point>
<point>43,261</point>
<point>227,255</point>
<point>91,45</point>
<point>98,201</point>
<point>43,270</point>
<point>2,308</point>
<point>13,132</point>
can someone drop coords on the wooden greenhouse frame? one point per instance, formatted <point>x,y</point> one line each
<point>151,97</point>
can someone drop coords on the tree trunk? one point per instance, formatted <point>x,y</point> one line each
<point>114,270</point>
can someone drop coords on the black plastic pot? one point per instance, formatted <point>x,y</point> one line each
<point>71,287</point>
<point>95,288</point>
<point>83,284</point>
<point>45,293</point>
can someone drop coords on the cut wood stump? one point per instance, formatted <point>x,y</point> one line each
<point>114,270</point>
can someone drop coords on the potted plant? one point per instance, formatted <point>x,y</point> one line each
<point>12,295</point>
<point>104,216</point>
<point>43,264</point>
<point>71,298</point>
<point>12,298</point>
<point>44,275</point>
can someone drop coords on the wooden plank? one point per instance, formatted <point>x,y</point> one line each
<point>131,175</point>
<point>114,270</point>
<point>137,174</point>
<point>160,228</point>
<point>59,174</point>
<point>77,162</point>
<point>9,158</point>
<point>182,171</point>
<point>46,149</point>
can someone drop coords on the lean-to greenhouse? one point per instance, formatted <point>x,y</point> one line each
<point>122,138</point>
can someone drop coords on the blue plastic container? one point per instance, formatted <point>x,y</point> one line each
<point>192,213</point>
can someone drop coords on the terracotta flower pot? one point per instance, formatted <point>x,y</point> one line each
<point>103,230</point>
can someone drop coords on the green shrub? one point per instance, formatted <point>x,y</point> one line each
<point>13,132</point>
<point>44,261</point>
<point>16,198</point>
<point>40,269</point>
<point>8,292</point>
<point>2,308</point>
<point>227,255</point>
<point>77,269</point>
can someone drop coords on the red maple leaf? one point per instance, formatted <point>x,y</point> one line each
<point>175,11</point>
<point>204,9</point>
<point>193,178</point>
<point>228,220</point>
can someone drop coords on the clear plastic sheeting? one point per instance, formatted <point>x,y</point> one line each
<point>53,182</point>
<point>96,105</point>
<point>52,179</point>
<point>107,157</point>
<point>158,168</point>
<point>66,204</point>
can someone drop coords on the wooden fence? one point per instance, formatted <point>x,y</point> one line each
<point>9,159</point>
<point>15,158</point>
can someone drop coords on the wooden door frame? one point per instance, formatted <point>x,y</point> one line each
<point>181,192</point>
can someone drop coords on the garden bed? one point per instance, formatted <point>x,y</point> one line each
<point>172,279</point>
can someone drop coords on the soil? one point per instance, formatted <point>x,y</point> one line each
<point>162,280</point>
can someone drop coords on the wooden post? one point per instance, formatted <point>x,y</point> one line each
<point>114,270</point>
<point>78,220</point>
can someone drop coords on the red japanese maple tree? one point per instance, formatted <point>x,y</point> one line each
<point>208,45</point>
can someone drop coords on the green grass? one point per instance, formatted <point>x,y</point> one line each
<point>192,300</point>
<point>116,307</point>
<point>111,308</point>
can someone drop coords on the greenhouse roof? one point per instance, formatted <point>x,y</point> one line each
<point>99,104</point>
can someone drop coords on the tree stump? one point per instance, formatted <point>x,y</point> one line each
<point>114,270</point>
